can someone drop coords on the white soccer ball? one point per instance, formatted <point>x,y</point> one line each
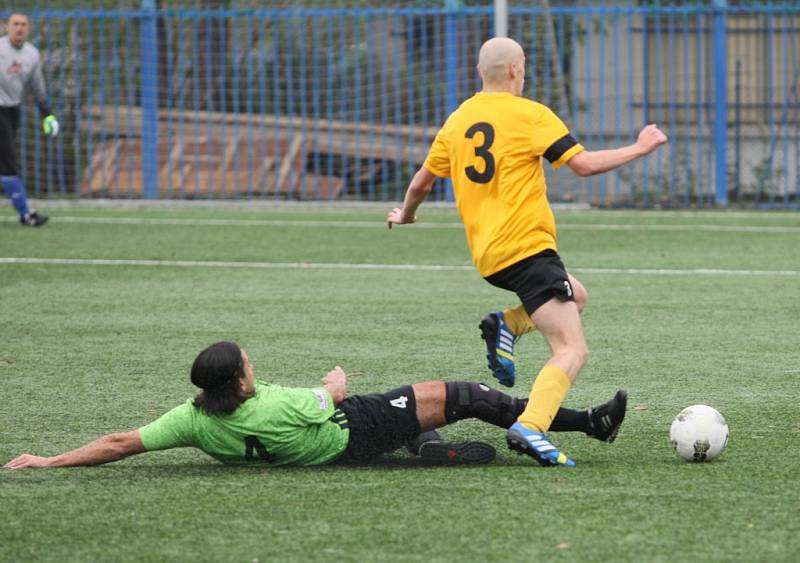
<point>699,433</point>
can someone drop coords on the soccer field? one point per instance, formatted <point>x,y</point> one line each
<point>104,309</point>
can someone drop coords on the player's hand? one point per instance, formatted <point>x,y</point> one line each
<point>50,126</point>
<point>27,460</point>
<point>650,138</point>
<point>336,384</point>
<point>397,217</point>
<point>335,376</point>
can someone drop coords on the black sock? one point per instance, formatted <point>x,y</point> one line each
<point>569,420</point>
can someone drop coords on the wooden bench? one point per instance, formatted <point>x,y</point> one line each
<point>201,166</point>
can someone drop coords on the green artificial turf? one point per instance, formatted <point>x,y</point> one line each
<point>91,349</point>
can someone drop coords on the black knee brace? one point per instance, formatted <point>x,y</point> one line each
<point>476,400</point>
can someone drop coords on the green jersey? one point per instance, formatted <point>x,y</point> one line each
<point>278,425</point>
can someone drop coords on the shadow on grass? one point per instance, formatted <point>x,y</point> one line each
<point>170,471</point>
<point>147,472</point>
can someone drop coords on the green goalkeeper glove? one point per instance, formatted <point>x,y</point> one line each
<point>50,126</point>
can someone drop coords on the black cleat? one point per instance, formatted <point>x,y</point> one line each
<point>430,436</point>
<point>33,219</point>
<point>606,419</point>
<point>456,453</point>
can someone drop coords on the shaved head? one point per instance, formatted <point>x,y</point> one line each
<point>495,59</point>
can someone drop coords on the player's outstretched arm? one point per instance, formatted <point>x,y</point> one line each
<point>111,447</point>
<point>417,191</point>
<point>588,163</point>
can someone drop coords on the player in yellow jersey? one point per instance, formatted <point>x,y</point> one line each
<point>493,147</point>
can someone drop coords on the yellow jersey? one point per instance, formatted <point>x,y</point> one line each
<point>492,147</point>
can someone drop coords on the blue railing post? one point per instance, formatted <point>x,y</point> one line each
<point>501,18</point>
<point>720,103</point>
<point>451,68</point>
<point>148,43</point>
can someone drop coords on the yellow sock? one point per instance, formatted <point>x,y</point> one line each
<point>518,320</point>
<point>548,393</point>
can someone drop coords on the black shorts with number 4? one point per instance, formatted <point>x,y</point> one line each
<point>379,423</point>
<point>536,280</point>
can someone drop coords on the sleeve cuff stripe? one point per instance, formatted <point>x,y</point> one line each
<point>558,148</point>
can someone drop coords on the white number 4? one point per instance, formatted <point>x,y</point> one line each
<point>399,402</point>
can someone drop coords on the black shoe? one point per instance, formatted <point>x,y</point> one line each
<point>33,219</point>
<point>414,445</point>
<point>456,453</point>
<point>605,420</point>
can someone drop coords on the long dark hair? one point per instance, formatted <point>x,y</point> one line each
<point>217,371</point>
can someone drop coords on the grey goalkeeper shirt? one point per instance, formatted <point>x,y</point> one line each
<point>21,69</point>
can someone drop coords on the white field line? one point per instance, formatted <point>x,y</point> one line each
<point>345,266</point>
<point>382,225</point>
<point>224,264</point>
<point>367,206</point>
<point>681,228</point>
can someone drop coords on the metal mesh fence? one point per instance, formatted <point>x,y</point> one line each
<point>333,100</point>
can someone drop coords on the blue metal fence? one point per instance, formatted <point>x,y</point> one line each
<point>343,103</point>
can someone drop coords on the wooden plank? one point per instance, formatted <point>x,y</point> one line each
<point>285,182</point>
<point>121,116</point>
<point>321,187</point>
<point>102,168</point>
<point>363,140</point>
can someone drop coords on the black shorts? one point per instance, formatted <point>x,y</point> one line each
<point>536,280</point>
<point>379,423</point>
<point>9,123</point>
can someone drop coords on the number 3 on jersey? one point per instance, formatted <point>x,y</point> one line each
<point>482,152</point>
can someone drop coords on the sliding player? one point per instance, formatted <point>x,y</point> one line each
<point>240,420</point>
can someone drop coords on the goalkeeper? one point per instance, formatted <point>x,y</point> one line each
<point>239,420</point>
<point>20,70</point>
